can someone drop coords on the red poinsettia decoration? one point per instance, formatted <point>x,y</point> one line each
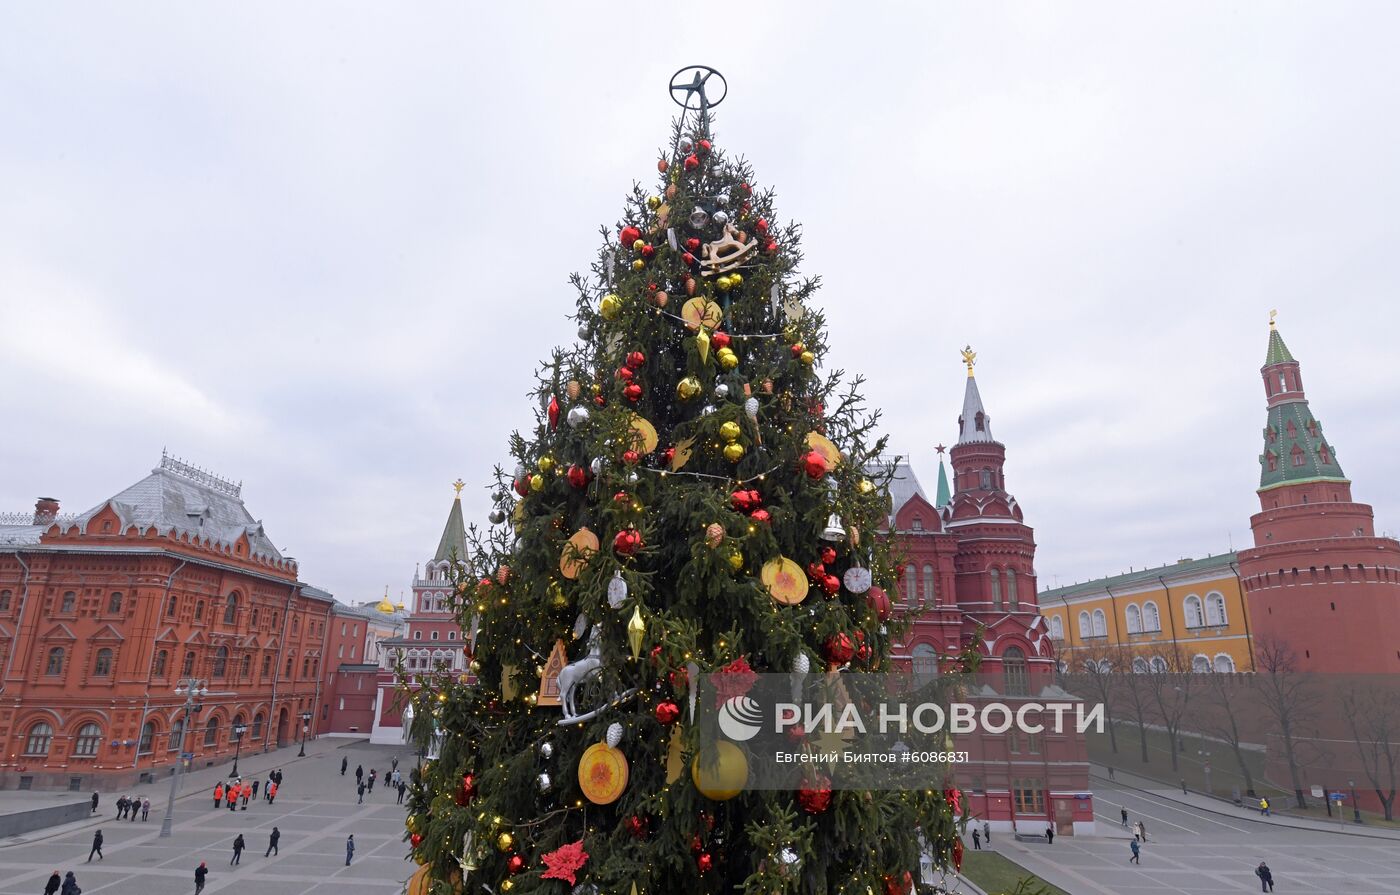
<point>565,862</point>
<point>734,679</point>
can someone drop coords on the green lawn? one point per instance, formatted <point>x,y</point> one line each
<point>998,875</point>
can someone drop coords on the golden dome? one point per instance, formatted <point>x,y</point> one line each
<point>384,605</point>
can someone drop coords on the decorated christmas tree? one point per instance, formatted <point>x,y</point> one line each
<point>697,498</point>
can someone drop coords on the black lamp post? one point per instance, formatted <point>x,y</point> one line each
<point>238,731</point>
<point>1355,807</point>
<point>305,723</point>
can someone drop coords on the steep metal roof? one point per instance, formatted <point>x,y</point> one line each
<point>1278,352</point>
<point>972,413</point>
<point>454,535</point>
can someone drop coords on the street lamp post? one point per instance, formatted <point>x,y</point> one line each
<point>1209,789</point>
<point>191,689</point>
<point>238,731</point>
<point>305,723</point>
<point>1355,806</point>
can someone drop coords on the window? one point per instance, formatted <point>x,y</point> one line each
<point>148,738</point>
<point>1151,618</point>
<point>170,606</point>
<point>1323,455</point>
<point>177,735</point>
<point>1033,743</point>
<point>39,740</point>
<point>1200,664</point>
<point>1273,460</point>
<point>238,721</point>
<point>340,652</point>
<point>231,609</point>
<point>257,725</point>
<point>69,600</point>
<point>296,623</point>
<point>928,584</point>
<point>342,629</point>
<point>220,662</point>
<point>1298,458</point>
<point>910,592</point>
<point>1013,740</point>
<point>114,602</point>
<point>1013,666</point>
<point>306,667</point>
<point>451,635</point>
<point>199,610</point>
<point>1030,798</point>
<point>55,664</point>
<point>918,523</point>
<point>245,665</point>
<point>352,650</point>
<point>5,600</point>
<point>1224,664</point>
<point>267,664</point>
<point>1100,623</point>
<point>417,635</point>
<point>102,666</point>
<point>158,666</point>
<point>925,663</point>
<point>1134,615</point>
<point>89,738</point>
<point>187,667</point>
<point>289,667</point>
<point>1057,627</point>
<point>1215,609</point>
<point>1011,589</point>
<point>984,478</point>
<point>1194,618</point>
<point>1084,628</point>
<point>1158,665</point>
<point>211,732</point>
<point>253,618</point>
<point>980,420</point>
<point>435,635</point>
<point>1139,665</point>
<point>996,589</point>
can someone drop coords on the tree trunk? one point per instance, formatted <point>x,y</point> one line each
<point>1244,769</point>
<point>1142,736</point>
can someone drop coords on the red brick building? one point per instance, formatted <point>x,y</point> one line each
<point>102,614</point>
<point>970,561</point>
<point>352,658</point>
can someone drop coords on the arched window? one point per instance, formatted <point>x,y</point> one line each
<point>925,663</point>
<point>1013,667</point>
<point>114,602</point>
<point>929,596</point>
<point>220,661</point>
<point>1200,664</point>
<point>1057,627</point>
<point>231,609</point>
<point>39,739</point>
<point>1159,665</point>
<point>1194,618</point>
<point>253,618</point>
<point>199,610</point>
<point>54,666</point>
<point>102,665</point>
<point>211,732</point>
<point>257,725</point>
<point>1105,666</point>
<point>1011,589</point>
<point>1215,609</point>
<point>1100,623</point>
<point>267,664</point>
<point>984,478</point>
<point>171,606</point>
<point>245,665</point>
<point>148,738</point>
<point>158,666</point>
<point>89,738</point>
<point>435,635</point>
<point>996,589</point>
<point>177,735</point>
<point>910,592</point>
<point>1134,616</point>
<point>1151,618</point>
<point>1224,664</point>
<point>1085,630</point>
<point>1139,665</point>
<point>70,600</point>
<point>187,667</point>
<point>296,623</point>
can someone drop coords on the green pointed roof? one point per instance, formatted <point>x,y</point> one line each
<point>1295,447</point>
<point>944,494</point>
<point>1278,352</point>
<point>454,534</point>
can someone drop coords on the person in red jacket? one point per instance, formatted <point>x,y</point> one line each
<point>218,794</point>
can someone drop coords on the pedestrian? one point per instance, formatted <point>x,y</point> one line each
<point>976,839</point>
<point>218,794</point>
<point>255,788</point>
<point>1123,813</point>
<point>1110,773</point>
<point>372,775</point>
<point>96,848</point>
<point>361,789</point>
<point>1183,786</point>
<point>271,792</point>
<point>94,811</point>
<point>344,763</point>
<point>70,885</point>
<point>394,765</point>
<point>1264,807</point>
<point>1137,851</point>
<point>272,842</point>
<point>238,846</point>
<point>132,804</point>
<point>1266,877</point>
<point>51,887</point>
<point>247,792</point>
<point>267,789</point>
<point>359,772</point>
<point>1142,829</point>
<point>349,849</point>
<point>1049,834</point>
<point>277,777</point>
<point>200,873</point>
<point>987,832</point>
<point>121,807</point>
<point>403,787</point>
<point>1137,831</point>
<point>145,810</point>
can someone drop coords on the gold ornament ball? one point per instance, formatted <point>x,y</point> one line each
<point>639,245</point>
<point>687,388</point>
<point>733,451</point>
<point>736,279</point>
<point>808,357</point>
<point>546,463</point>
<point>653,202</point>
<point>722,773</point>
<point>507,885</point>
<point>536,482</point>
<point>610,306</point>
<point>724,283</point>
<point>729,430</point>
<point>475,666</point>
<point>866,486</point>
<point>714,534</point>
<point>727,358</point>
<point>505,842</point>
<point>412,823</point>
<point>638,264</point>
<point>736,561</point>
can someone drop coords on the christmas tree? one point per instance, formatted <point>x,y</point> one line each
<point>696,498</point>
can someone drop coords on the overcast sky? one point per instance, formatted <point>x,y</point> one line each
<point>320,248</point>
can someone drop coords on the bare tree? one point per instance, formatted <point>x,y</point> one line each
<point>1096,678</point>
<point>1291,700</point>
<point>1226,708</point>
<point>1134,697</point>
<point>1373,713</point>
<point>1170,682</point>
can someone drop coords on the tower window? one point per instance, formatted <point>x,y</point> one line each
<point>1283,382</point>
<point>1298,459</point>
<point>996,589</point>
<point>981,421</point>
<point>918,523</point>
<point>1322,454</point>
<point>985,480</point>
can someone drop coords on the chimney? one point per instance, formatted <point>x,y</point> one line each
<point>45,510</point>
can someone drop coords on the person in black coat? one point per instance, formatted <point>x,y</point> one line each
<point>200,873</point>
<point>96,848</point>
<point>70,885</point>
<point>344,763</point>
<point>238,846</point>
<point>94,805</point>
<point>359,772</point>
<point>272,842</point>
<point>51,887</point>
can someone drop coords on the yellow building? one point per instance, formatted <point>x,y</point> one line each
<point>1188,615</point>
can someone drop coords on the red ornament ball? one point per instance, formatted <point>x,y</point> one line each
<point>668,455</point>
<point>648,251</point>
<point>828,556</point>
<point>899,885</point>
<point>600,400</point>
<point>631,457</point>
<point>627,542</point>
<point>629,236</point>
<point>415,839</point>
<point>689,259</point>
<point>635,359</point>
<point>667,712</point>
<point>770,247</point>
<point>624,373</point>
<point>879,603</point>
<point>522,487</point>
<point>704,146</point>
<point>761,515</point>
<point>692,244</point>
<point>621,497</point>
<point>578,476</point>
<point>814,464</point>
<point>839,649</point>
<point>515,864</point>
<point>831,584</point>
<point>632,392</point>
<point>691,162</point>
<point>797,349</point>
<point>816,571</point>
<point>704,862</point>
<point>761,227</point>
<point>637,826</point>
<point>815,797</point>
<point>719,340</point>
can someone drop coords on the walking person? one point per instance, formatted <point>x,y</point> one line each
<point>271,792</point>
<point>361,789</point>
<point>132,804</point>
<point>1123,813</point>
<point>267,789</point>
<point>145,810</point>
<point>70,885</point>
<point>277,777</point>
<point>1110,773</point>
<point>394,765</point>
<point>987,832</point>
<point>372,775</point>
<point>1142,830</point>
<point>403,787</point>
<point>238,846</point>
<point>94,811</point>
<point>1264,807</point>
<point>200,873</point>
<point>272,842</point>
<point>121,807</point>
<point>1049,834</point>
<point>976,839</point>
<point>359,772</point>
<point>344,763</point>
<point>1137,831</point>
<point>51,887</point>
<point>1266,877</point>
<point>218,794</point>
<point>1137,853</point>
<point>255,788</point>
<point>96,848</point>
<point>349,849</point>
<point>247,793</point>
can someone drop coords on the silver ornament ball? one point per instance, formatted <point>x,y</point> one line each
<point>583,333</point>
<point>497,517</point>
<point>578,416</point>
<point>543,782</point>
<point>699,218</point>
<point>722,200</point>
<point>720,217</point>
<point>721,391</point>
<point>685,145</point>
<point>546,749</point>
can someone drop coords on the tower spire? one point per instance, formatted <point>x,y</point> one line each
<point>454,533</point>
<point>975,424</point>
<point>1295,449</point>
<point>944,493</point>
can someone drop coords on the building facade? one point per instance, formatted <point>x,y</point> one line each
<point>969,568</point>
<point>104,613</point>
<point>353,653</point>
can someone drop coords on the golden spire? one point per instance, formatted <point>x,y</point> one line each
<point>458,486</point>
<point>969,357</point>
<point>1272,315</point>
<point>384,604</point>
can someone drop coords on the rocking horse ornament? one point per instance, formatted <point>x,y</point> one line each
<point>575,673</point>
<point>726,253</point>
